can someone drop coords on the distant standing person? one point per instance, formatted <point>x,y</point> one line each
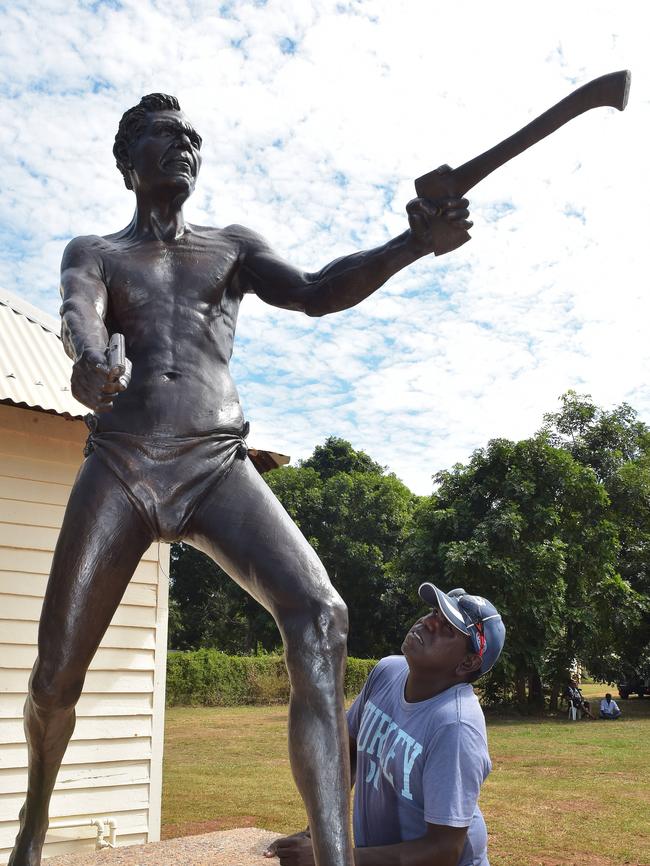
<point>609,708</point>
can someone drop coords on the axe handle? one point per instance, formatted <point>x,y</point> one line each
<point>608,90</point>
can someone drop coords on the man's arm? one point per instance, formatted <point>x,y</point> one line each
<point>346,281</point>
<point>440,846</point>
<point>83,330</point>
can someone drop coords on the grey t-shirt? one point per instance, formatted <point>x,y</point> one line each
<point>417,763</point>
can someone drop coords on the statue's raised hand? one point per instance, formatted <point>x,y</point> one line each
<point>428,218</point>
<point>93,383</point>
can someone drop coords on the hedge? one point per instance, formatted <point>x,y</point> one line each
<point>209,678</point>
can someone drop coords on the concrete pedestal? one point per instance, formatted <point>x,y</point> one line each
<point>241,847</point>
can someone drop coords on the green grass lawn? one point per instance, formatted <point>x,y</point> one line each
<point>560,793</point>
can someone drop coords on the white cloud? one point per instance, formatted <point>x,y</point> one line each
<point>317,149</point>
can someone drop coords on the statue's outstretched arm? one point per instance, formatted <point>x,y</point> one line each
<point>348,280</point>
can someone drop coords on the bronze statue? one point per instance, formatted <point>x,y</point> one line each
<point>166,456</point>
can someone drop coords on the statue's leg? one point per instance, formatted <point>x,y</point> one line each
<point>243,527</point>
<point>100,544</point>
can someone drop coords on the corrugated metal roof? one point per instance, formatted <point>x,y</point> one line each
<point>264,461</point>
<point>34,369</point>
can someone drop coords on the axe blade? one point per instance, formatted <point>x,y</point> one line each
<point>610,90</point>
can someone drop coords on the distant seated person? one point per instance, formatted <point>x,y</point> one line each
<point>418,744</point>
<point>609,708</point>
<point>576,699</point>
<point>572,694</point>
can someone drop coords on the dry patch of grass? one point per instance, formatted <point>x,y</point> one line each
<point>570,792</point>
<point>229,765</point>
<point>560,794</point>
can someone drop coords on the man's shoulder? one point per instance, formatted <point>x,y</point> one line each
<point>460,706</point>
<point>390,666</point>
<point>471,717</point>
<point>385,672</point>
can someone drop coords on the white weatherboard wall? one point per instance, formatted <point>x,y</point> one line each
<point>113,766</point>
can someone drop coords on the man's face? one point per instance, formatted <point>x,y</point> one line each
<point>166,155</point>
<point>434,645</point>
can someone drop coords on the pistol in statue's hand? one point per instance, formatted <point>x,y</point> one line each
<point>95,383</point>
<point>428,216</point>
<point>119,364</point>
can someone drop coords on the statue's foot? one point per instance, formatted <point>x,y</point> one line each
<point>28,846</point>
<point>26,853</point>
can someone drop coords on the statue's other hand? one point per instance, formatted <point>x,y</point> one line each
<point>426,216</point>
<point>286,845</point>
<point>293,850</point>
<point>92,382</point>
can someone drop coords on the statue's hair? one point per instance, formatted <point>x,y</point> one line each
<point>131,126</point>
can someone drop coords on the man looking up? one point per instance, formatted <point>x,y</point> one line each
<point>418,743</point>
<point>166,454</point>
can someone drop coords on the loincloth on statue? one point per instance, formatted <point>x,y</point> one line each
<point>167,477</point>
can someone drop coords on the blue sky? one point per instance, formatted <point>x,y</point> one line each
<point>316,117</point>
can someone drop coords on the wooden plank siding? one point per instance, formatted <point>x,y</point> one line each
<point>113,766</point>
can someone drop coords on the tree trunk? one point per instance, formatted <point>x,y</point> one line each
<point>250,641</point>
<point>535,690</point>
<point>520,687</point>
<point>554,696</point>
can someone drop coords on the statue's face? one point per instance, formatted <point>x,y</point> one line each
<point>167,154</point>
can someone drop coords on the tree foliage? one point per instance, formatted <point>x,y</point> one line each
<point>355,516</point>
<point>527,526</point>
<point>336,456</point>
<point>554,529</point>
<point>208,609</point>
<point>616,445</point>
<point>352,513</point>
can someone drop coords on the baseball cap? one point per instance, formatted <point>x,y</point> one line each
<point>472,615</point>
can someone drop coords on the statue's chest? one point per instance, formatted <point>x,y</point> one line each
<point>155,274</point>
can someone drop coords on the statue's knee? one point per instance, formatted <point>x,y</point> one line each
<point>50,690</point>
<point>321,627</point>
<point>331,624</point>
<point>338,613</point>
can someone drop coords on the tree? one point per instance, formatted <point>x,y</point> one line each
<point>355,519</point>
<point>604,440</point>
<point>554,529</point>
<point>353,514</point>
<point>528,527</point>
<point>336,455</point>
<point>616,445</point>
<point>208,609</point>
<point>364,518</point>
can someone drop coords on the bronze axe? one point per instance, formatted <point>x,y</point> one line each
<point>608,90</point>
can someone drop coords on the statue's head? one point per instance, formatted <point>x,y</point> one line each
<point>156,139</point>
